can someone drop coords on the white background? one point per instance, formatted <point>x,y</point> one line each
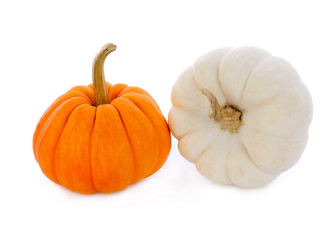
<point>47,48</point>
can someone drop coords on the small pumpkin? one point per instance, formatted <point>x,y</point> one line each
<point>101,137</point>
<point>241,116</point>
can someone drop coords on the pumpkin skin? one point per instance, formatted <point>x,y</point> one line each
<point>241,116</point>
<point>90,149</point>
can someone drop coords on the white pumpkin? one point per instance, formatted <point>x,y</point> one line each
<point>241,116</point>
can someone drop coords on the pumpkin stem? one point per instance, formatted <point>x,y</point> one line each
<point>98,77</point>
<point>227,116</point>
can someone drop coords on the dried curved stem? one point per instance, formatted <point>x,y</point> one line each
<point>98,76</point>
<point>228,116</point>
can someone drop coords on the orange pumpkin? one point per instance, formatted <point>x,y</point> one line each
<point>101,137</point>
